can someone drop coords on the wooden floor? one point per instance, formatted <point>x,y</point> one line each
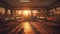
<point>29,26</point>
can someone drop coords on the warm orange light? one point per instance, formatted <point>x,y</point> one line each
<point>34,14</point>
<point>35,11</point>
<point>19,12</point>
<point>27,27</point>
<point>26,13</point>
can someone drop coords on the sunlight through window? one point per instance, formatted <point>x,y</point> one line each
<point>26,13</point>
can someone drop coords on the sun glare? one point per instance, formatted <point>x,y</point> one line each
<point>26,13</point>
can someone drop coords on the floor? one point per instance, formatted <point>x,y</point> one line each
<point>29,26</point>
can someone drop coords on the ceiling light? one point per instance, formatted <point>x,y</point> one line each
<point>24,0</point>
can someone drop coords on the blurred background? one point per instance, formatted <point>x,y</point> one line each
<point>29,16</point>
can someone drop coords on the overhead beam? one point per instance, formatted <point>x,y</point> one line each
<point>55,4</point>
<point>30,7</point>
<point>4,4</point>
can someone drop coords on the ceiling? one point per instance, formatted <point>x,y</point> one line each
<point>15,3</point>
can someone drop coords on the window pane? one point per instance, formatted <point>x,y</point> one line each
<point>2,11</point>
<point>9,12</point>
<point>58,10</point>
<point>34,12</point>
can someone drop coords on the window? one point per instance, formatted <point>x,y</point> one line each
<point>9,12</point>
<point>23,13</point>
<point>34,12</point>
<point>58,10</point>
<point>19,12</point>
<point>27,12</point>
<point>2,11</point>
